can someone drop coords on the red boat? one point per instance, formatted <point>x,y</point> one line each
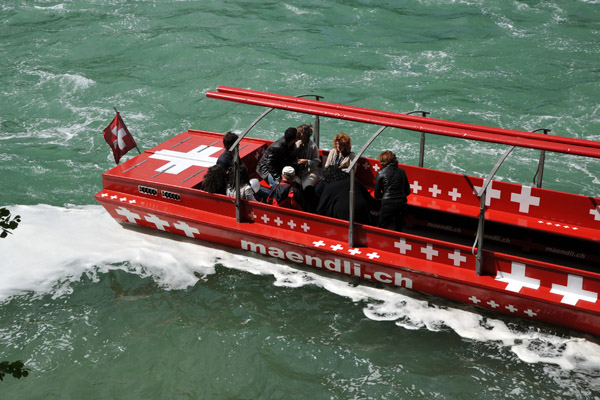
<point>520,250</point>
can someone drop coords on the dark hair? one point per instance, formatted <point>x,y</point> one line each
<point>333,173</point>
<point>215,180</point>
<point>290,134</point>
<point>229,139</point>
<point>387,157</point>
<point>244,177</point>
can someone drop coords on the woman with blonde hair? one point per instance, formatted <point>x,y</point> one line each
<point>341,155</point>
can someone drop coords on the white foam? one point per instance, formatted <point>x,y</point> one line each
<point>54,246</point>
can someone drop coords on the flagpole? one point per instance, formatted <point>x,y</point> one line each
<point>139,152</point>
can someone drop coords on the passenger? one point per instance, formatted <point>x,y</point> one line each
<point>341,155</point>
<point>226,159</point>
<point>215,180</point>
<point>287,193</point>
<point>278,155</point>
<point>247,191</point>
<point>307,153</point>
<point>391,186</point>
<point>335,199</point>
<point>308,171</point>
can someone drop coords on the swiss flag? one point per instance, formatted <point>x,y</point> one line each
<point>118,137</point>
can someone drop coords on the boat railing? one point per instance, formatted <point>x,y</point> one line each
<point>513,138</point>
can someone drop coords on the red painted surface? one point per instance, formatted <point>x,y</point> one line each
<point>156,190</point>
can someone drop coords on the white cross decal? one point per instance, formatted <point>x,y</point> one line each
<point>525,199</point>
<point>454,194</point>
<point>530,312</point>
<point>491,193</point>
<point>319,243</point>
<point>429,252</point>
<point>354,251</point>
<point>474,299</point>
<point>178,161</point>
<point>376,167</point>
<point>516,279</point>
<point>113,197</point>
<point>189,230</point>
<point>415,187</point>
<point>252,215</point>
<point>372,255</point>
<point>160,224</point>
<point>278,221</point>
<point>305,227</point>
<point>434,190</point>
<point>265,218</point>
<point>132,201</point>
<point>493,304</point>
<point>457,257</point>
<point>596,213</point>
<point>292,224</point>
<point>511,308</point>
<point>123,199</point>
<point>131,216</point>
<point>336,247</point>
<point>366,165</point>
<point>403,246</point>
<point>574,291</point>
<point>104,195</point>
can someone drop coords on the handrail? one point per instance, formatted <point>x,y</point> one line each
<point>482,194</point>
<point>351,169</point>
<point>540,170</point>
<point>422,144</point>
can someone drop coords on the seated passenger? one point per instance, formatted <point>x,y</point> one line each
<point>287,193</point>
<point>247,191</point>
<point>391,186</point>
<point>335,199</point>
<point>226,159</point>
<point>307,153</point>
<point>341,155</point>
<point>215,180</point>
<point>278,155</point>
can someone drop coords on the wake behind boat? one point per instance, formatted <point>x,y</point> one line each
<point>520,250</point>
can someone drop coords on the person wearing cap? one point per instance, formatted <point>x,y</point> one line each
<point>287,193</point>
<point>278,155</point>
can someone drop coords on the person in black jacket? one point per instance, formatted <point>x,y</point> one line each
<point>278,155</point>
<point>226,158</point>
<point>335,198</point>
<point>391,186</point>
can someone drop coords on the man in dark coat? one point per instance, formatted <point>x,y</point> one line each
<point>391,186</point>
<point>335,198</point>
<point>278,155</point>
<point>226,158</point>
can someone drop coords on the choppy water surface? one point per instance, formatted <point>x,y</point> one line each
<point>99,311</point>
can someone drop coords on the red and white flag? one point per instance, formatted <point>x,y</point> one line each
<point>118,137</point>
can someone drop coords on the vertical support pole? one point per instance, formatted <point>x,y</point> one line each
<point>351,219</point>
<point>479,238</point>
<point>422,145</point>
<point>540,170</point>
<point>236,169</point>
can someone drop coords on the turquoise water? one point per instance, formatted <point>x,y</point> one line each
<point>98,311</point>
